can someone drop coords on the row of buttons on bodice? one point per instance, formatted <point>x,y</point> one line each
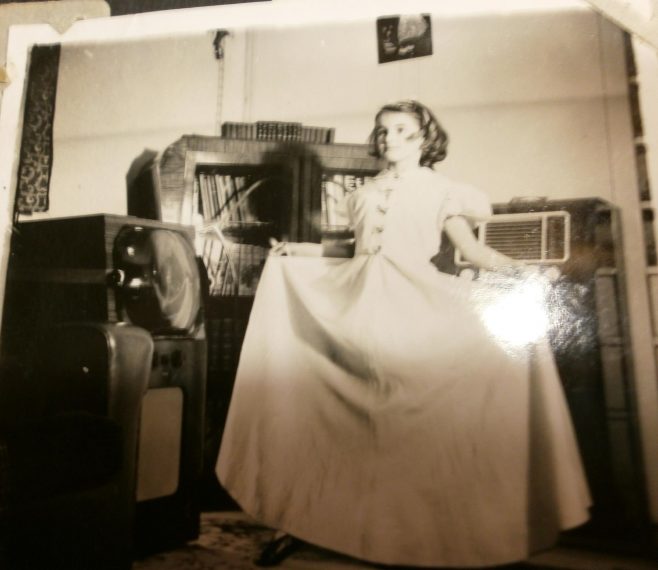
<point>381,209</point>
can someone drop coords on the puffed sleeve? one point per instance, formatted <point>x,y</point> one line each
<point>466,201</point>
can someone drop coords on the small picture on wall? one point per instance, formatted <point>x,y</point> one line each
<point>404,37</point>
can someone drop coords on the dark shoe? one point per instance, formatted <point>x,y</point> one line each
<point>277,550</point>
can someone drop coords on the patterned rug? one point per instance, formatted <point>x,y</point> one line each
<point>232,540</point>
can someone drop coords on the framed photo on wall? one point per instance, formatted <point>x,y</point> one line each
<point>404,37</point>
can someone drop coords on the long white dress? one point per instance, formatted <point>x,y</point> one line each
<point>377,413</point>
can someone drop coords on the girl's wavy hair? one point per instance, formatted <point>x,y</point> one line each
<point>435,138</point>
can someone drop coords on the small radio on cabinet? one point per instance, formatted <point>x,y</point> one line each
<point>573,238</point>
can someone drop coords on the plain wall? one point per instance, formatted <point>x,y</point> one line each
<point>526,99</point>
<point>523,96</point>
<point>116,100</point>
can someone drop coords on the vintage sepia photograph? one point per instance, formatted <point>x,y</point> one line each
<point>330,285</point>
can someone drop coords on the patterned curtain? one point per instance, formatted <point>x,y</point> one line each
<point>36,155</point>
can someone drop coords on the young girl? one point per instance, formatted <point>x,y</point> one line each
<point>376,411</point>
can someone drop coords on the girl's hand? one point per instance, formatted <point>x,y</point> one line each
<point>512,270</point>
<point>518,271</point>
<point>279,247</point>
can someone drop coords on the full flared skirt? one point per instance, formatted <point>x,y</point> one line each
<point>377,414</point>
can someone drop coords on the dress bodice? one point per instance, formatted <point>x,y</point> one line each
<point>403,216</point>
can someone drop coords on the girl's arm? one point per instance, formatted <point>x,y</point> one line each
<point>480,255</point>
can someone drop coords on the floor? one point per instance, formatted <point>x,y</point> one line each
<point>571,559</point>
<point>231,541</point>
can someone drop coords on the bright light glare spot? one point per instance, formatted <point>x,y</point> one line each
<point>518,316</point>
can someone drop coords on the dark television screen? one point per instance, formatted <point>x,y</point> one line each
<point>160,285</point>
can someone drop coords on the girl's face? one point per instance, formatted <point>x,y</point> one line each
<point>399,138</point>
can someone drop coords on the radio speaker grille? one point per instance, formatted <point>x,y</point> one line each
<point>537,237</point>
